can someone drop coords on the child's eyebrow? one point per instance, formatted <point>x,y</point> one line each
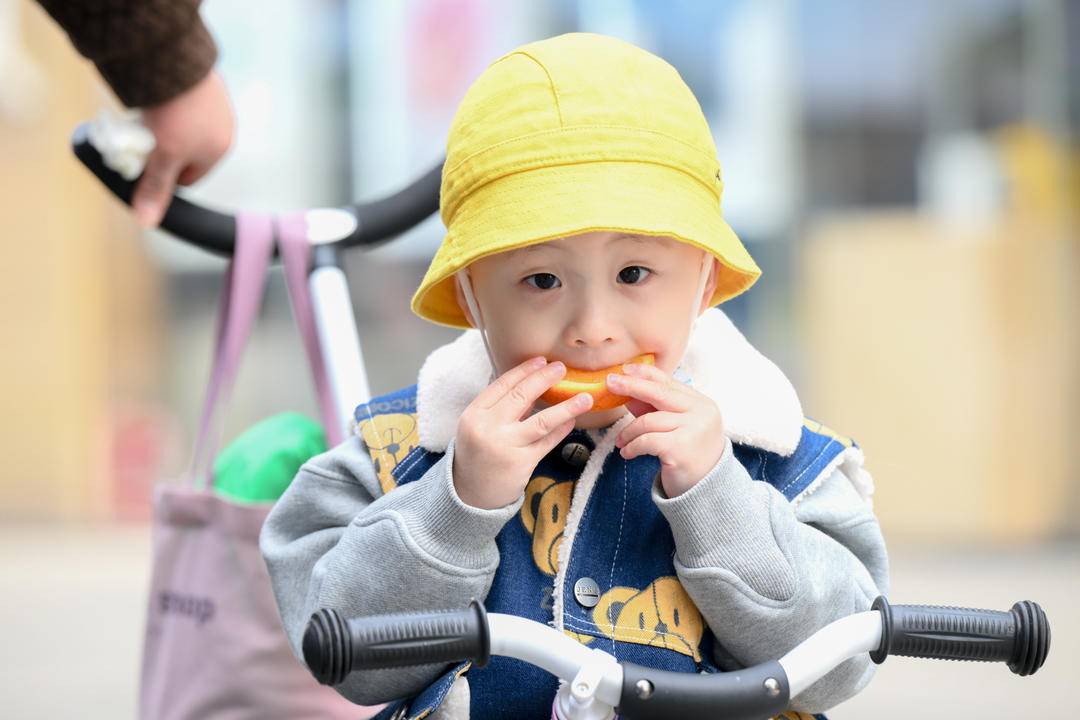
<point>635,238</point>
<point>640,239</point>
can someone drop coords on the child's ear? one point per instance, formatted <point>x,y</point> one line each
<point>710,285</point>
<point>459,294</point>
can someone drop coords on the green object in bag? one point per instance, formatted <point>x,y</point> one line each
<point>262,461</point>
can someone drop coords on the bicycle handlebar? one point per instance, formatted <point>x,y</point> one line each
<point>373,222</point>
<point>1019,637</point>
<point>334,646</point>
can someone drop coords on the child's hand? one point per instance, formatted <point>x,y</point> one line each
<point>686,431</point>
<point>495,450</point>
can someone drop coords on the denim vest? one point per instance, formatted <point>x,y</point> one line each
<point>622,542</point>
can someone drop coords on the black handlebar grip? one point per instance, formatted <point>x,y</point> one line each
<point>333,646</point>
<point>95,163</point>
<point>390,216</point>
<point>1019,637</point>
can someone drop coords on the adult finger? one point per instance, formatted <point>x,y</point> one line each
<point>541,427</point>
<point>192,173</point>
<point>502,385</point>
<point>155,188</point>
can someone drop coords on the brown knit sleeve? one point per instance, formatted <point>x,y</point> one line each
<point>147,50</point>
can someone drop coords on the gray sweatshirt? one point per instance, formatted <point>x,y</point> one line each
<point>747,556</point>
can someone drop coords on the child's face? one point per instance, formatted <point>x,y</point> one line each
<point>592,300</point>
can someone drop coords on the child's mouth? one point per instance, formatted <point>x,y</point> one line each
<point>593,382</point>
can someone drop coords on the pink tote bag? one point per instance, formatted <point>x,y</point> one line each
<point>215,646</point>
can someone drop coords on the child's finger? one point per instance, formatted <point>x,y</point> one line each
<point>638,408</point>
<point>663,395</point>
<point>496,390</point>
<point>654,443</point>
<point>522,396</point>
<point>544,425</point>
<point>653,422</point>
<point>545,445</point>
<point>648,371</point>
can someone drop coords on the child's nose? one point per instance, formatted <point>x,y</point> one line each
<point>581,342</point>
<point>593,329</point>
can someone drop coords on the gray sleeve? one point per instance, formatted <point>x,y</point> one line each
<point>334,540</point>
<point>751,559</point>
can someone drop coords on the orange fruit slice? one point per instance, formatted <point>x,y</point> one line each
<point>593,382</point>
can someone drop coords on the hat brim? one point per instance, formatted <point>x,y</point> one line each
<point>558,201</point>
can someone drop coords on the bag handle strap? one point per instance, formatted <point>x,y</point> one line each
<point>241,297</point>
<point>296,256</point>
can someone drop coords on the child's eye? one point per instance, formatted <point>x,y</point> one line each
<point>544,281</point>
<point>633,275</point>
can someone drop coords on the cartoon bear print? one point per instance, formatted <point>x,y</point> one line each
<point>660,615</point>
<point>389,438</point>
<point>547,501</point>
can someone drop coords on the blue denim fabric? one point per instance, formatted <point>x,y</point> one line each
<point>622,542</point>
<point>793,474</point>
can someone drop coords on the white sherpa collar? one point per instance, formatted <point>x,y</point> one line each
<point>758,403</point>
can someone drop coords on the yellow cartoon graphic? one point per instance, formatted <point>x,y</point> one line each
<point>543,514</point>
<point>389,438</point>
<point>792,715</point>
<point>661,615</point>
<point>815,426</point>
<point>583,639</point>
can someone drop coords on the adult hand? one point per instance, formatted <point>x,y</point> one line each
<point>496,450</point>
<point>685,431</point>
<point>192,132</point>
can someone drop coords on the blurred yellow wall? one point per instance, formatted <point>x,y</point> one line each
<point>80,301</point>
<point>952,357</point>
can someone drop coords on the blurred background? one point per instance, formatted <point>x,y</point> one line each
<point>905,172</point>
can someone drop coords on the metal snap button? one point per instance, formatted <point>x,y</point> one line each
<point>575,454</point>
<point>587,592</point>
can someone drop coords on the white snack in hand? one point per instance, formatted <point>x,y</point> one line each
<point>123,141</point>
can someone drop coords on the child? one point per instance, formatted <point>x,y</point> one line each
<point>701,526</point>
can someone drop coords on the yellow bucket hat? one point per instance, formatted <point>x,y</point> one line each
<point>573,134</point>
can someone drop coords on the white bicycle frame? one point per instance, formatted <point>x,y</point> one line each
<point>335,320</point>
<point>592,679</point>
